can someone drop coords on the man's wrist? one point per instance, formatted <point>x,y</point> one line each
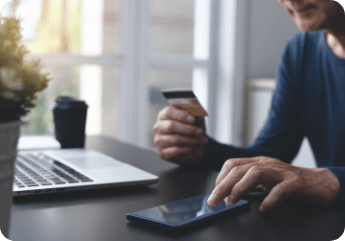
<point>334,185</point>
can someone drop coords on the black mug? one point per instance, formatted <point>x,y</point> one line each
<point>70,121</point>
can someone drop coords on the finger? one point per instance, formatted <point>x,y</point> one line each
<point>261,187</point>
<point>200,122</point>
<point>173,113</point>
<point>174,153</point>
<point>255,175</point>
<point>165,141</point>
<point>176,127</point>
<point>223,189</point>
<point>278,194</point>
<point>266,190</point>
<point>230,164</point>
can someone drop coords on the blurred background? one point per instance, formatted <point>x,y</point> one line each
<point>118,54</point>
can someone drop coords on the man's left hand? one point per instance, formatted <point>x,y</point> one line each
<point>277,179</point>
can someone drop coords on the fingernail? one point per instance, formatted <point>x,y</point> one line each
<point>190,118</point>
<point>262,209</point>
<point>231,200</point>
<point>212,198</point>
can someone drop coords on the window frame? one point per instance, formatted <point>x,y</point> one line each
<point>224,81</point>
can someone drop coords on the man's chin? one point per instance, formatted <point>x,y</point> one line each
<point>308,27</point>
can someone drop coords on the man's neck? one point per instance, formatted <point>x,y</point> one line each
<point>337,44</point>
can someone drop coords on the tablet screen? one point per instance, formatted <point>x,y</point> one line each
<point>185,210</point>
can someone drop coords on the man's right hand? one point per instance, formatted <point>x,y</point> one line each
<point>179,136</point>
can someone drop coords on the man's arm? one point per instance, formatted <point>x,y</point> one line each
<point>284,129</point>
<point>278,179</point>
<point>280,138</point>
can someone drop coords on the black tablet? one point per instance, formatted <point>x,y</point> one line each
<point>183,213</point>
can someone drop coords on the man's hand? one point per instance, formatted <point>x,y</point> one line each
<point>277,179</point>
<point>179,136</point>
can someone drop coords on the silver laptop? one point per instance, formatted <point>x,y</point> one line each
<point>61,170</point>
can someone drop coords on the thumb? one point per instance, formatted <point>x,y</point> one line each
<point>278,194</point>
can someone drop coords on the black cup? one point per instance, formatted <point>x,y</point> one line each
<point>69,121</point>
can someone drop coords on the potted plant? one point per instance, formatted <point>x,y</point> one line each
<point>20,83</point>
<point>20,80</point>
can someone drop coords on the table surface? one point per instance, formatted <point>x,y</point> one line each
<point>100,215</point>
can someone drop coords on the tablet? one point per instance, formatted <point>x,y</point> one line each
<point>178,215</point>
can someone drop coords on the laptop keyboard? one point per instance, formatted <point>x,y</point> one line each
<point>40,170</point>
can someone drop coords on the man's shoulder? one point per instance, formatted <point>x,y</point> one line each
<point>297,43</point>
<point>301,46</point>
<point>302,37</point>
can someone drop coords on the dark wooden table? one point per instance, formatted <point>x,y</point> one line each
<point>100,215</point>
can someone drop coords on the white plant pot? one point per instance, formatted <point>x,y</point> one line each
<point>9,135</point>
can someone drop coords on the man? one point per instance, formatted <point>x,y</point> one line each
<point>309,100</point>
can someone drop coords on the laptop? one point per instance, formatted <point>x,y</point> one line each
<point>61,170</point>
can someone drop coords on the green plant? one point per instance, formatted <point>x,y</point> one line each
<point>20,80</point>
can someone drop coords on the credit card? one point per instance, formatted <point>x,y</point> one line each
<point>185,99</point>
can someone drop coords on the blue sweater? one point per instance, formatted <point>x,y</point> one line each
<point>309,101</point>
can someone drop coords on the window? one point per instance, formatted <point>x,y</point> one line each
<point>117,55</point>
